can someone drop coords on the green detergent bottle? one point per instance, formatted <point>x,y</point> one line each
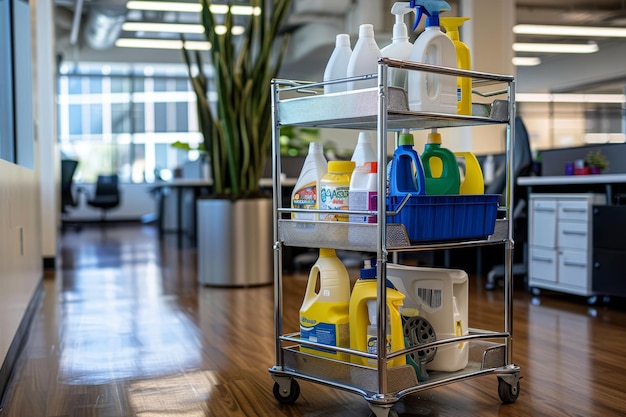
<point>441,170</point>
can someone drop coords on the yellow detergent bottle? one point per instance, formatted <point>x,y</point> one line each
<point>324,312</point>
<point>363,319</point>
<point>472,181</point>
<point>463,61</point>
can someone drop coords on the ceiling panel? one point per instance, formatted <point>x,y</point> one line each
<point>570,12</point>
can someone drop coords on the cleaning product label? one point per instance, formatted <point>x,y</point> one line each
<point>334,198</point>
<point>372,346</point>
<point>363,200</point>
<point>431,297</point>
<point>325,333</point>
<point>306,198</point>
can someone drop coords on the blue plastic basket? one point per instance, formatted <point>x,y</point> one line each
<point>446,217</point>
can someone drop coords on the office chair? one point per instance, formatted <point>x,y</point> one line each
<point>522,165</point>
<point>68,168</point>
<point>107,195</point>
<point>68,199</point>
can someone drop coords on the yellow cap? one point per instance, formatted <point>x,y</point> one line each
<point>341,166</point>
<point>434,137</point>
<point>326,252</point>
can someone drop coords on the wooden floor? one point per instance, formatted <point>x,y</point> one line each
<point>125,331</point>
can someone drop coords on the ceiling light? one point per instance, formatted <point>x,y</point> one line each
<point>162,27</point>
<point>526,61</point>
<point>605,138</point>
<point>165,6</point>
<point>569,98</point>
<point>197,45</point>
<point>148,43</point>
<point>245,10</point>
<point>559,48</point>
<point>553,30</point>
<point>161,44</point>
<point>235,30</point>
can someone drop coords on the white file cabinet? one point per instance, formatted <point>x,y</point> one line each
<point>560,239</point>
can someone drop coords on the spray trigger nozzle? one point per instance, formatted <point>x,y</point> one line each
<point>432,9</point>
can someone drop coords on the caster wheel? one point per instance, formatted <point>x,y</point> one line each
<point>507,393</point>
<point>287,396</point>
<point>535,291</point>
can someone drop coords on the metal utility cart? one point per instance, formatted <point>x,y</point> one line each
<point>385,109</point>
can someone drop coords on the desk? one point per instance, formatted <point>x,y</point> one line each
<point>588,182</point>
<point>179,186</point>
<point>576,234</point>
<point>199,187</point>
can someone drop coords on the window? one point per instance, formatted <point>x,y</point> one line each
<point>124,120</point>
<point>7,130</point>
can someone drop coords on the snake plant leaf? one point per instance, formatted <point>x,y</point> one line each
<point>237,127</point>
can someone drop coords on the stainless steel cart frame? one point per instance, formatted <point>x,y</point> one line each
<point>385,109</point>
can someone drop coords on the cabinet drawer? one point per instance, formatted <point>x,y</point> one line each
<point>573,210</point>
<point>573,268</point>
<point>543,232</point>
<point>609,277</point>
<point>572,235</point>
<point>543,264</point>
<point>609,225</point>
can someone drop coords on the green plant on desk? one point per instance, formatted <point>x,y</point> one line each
<point>597,159</point>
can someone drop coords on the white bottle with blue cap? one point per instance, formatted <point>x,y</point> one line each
<point>429,91</point>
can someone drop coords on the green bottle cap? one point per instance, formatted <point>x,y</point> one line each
<point>406,138</point>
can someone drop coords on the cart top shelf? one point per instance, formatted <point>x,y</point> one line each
<point>303,103</point>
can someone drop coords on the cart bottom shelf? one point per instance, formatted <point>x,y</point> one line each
<point>484,358</point>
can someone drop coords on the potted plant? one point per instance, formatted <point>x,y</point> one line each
<point>236,132</point>
<point>596,161</point>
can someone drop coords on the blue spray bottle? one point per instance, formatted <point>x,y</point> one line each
<point>427,91</point>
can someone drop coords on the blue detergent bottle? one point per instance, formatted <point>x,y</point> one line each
<point>406,174</point>
<point>441,168</point>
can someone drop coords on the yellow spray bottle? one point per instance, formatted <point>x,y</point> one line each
<point>463,84</point>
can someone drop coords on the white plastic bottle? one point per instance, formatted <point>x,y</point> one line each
<point>400,47</point>
<point>364,150</point>
<point>337,66</point>
<point>363,192</point>
<point>364,59</point>
<point>431,92</point>
<point>306,193</point>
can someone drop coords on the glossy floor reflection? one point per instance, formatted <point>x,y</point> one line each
<point>125,331</point>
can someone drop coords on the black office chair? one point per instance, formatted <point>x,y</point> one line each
<point>522,165</point>
<point>68,168</point>
<point>107,195</point>
<point>68,197</point>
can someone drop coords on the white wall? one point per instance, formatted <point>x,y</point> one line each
<point>21,266</point>
<point>44,69</point>
<point>20,248</point>
<point>136,201</point>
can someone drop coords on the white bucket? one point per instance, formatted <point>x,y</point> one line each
<point>440,296</point>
